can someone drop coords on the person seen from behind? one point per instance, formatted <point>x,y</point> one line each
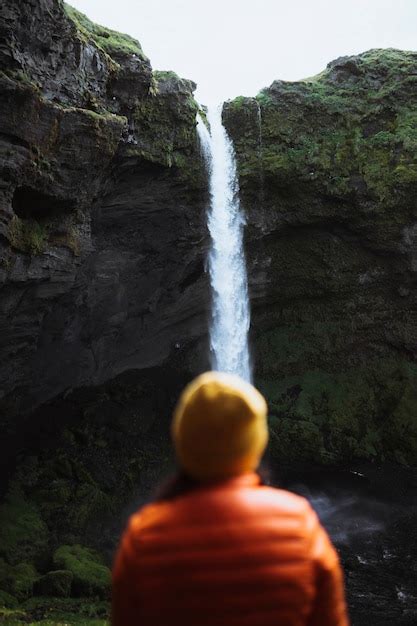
<point>220,548</point>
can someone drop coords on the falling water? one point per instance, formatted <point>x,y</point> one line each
<point>230,304</point>
<point>260,151</point>
<point>259,118</point>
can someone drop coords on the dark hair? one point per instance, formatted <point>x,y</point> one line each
<point>181,483</point>
<point>177,485</point>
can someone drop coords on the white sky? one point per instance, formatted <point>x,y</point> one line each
<point>236,47</point>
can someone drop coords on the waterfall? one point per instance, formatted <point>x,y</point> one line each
<point>259,119</point>
<point>230,316</point>
<point>260,152</point>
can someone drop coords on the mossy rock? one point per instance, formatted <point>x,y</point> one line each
<point>400,432</point>
<point>90,576</point>
<point>302,437</point>
<point>23,533</point>
<point>28,235</point>
<point>7,601</point>
<point>54,584</point>
<point>112,42</point>
<point>17,580</point>
<point>12,616</point>
<point>350,130</point>
<point>369,412</point>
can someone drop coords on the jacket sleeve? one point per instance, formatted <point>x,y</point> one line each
<point>329,606</point>
<point>125,610</point>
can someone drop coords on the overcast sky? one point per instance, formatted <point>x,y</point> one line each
<point>236,47</point>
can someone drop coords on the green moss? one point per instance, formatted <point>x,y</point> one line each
<point>55,584</point>
<point>349,128</point>
<point>7,601</point>
<point>22,77</point>
<point>263,98</point>
<point>23,533</point>
<point>240,103</point>
<point>90,502</point>
<point>24,577</point>
<point>63,611</point>
<point>167,123</point>
<point>301,437</point>
<point>112,42</point>
<point>330,165</point>
<point>27,235</point>
<point>399,433</point>
<point>91,577</point>
<point>162,75</point>
<point>367,412</point>
<point>164,118</point>
<point>17,580</point>
<point>69,498</point>
<point>11,616</point>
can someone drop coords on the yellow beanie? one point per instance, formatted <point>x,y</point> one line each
<point>219,427</point>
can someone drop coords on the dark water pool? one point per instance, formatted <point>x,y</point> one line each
<point>371,515</point>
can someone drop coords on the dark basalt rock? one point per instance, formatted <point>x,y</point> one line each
<point>102,207</point>
<point>328,178</point>
<point>103,291</point>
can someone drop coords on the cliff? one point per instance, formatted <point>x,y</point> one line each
<point>104,296</point>
<point>102,198</point>
<point>328,177</point>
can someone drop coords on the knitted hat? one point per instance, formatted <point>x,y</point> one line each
<point>219,427</point>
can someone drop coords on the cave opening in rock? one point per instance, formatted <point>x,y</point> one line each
<point>32,203</point>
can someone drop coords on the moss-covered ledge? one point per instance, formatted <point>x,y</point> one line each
<point>352,129</point>
<point>110,41</point>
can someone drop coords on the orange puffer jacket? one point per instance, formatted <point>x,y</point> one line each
<point>231,554</point>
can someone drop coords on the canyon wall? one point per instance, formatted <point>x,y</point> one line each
<point>102,207</point>
<point>328,178</point>
<point>103,291</point>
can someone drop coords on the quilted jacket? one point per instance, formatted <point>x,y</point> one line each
<point>233,553</point>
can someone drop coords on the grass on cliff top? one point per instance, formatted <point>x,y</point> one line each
<point>165,75</point>
<point>351,129</point>
<point>108,40</point>
<point>388,63</point>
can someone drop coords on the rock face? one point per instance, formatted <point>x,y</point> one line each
<point>102,207</point>
<point>328,177</point>
<point>103,293</point>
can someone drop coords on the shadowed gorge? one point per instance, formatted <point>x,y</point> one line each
<point>105,298</point>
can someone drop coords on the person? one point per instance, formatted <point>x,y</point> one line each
<point>218,548</point>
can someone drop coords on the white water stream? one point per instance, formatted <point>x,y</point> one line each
<point>230,317</point>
